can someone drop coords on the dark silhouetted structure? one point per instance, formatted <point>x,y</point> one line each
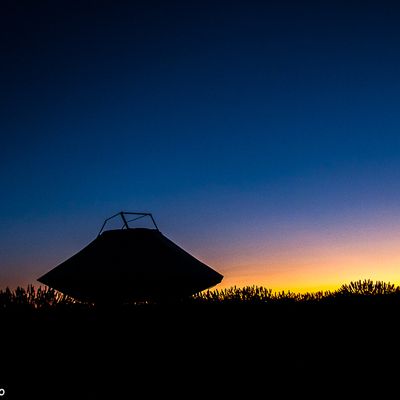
<point>131,264</point>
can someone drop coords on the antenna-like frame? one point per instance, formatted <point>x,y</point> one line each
<point>123,215</point>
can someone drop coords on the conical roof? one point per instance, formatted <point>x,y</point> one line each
<point>131,264</point>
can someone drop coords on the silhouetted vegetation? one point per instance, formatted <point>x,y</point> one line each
<point>34,298</point>
<point>361,289</point>
<point>290,333</point>
<point>44,298</point>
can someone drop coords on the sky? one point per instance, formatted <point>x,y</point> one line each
<point>264,136</point>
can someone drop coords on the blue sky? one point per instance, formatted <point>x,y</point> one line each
<point>242,123</point>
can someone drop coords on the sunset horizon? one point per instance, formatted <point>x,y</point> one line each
<point>245,158</point>
<point>264,138</point>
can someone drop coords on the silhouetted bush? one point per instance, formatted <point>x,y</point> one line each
<point>367,290</point>
<point>258,294</point>
<point>34,298</point>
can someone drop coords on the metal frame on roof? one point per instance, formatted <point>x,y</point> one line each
<point>124,214</point>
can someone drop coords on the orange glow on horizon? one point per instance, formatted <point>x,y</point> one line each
<point>316,264</point>
<point>306,261</point>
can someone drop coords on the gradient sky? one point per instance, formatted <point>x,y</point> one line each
<point>264,136</point>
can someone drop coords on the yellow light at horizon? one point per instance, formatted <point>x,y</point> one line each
<point>324,266</point>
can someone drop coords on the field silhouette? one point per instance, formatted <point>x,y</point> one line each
<point>247,340</point>
<point>362,291</point>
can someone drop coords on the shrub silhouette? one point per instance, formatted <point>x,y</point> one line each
<point>258,294</point>
<point>368,288</point>
<point>47,299</point>
<point>33,298</point>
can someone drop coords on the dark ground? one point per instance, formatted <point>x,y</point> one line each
<point>193,351</point>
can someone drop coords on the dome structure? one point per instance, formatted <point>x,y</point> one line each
<point>131,264</point>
